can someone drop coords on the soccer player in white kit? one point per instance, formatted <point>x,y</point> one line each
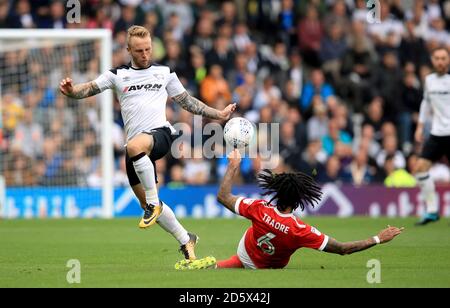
<point>142,88</point>
<point>436,102</point>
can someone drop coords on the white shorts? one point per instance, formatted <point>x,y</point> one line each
<point>243,255</point>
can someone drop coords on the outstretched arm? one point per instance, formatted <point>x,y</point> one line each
<point>347,248</point>
<point>196,106</point>
<point>224,196</point>
<point>78,91</point>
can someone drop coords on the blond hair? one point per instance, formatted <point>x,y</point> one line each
<point>137,31</point>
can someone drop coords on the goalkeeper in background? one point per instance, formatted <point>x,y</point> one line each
<point>142,88</point>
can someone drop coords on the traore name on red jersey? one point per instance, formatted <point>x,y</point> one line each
<point>275,236</point>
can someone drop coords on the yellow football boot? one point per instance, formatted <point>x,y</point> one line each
<point>204,263</point>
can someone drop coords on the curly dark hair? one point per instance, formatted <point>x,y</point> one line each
<point>290,190</point>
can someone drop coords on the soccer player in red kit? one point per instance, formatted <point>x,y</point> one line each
<point>276,233</point>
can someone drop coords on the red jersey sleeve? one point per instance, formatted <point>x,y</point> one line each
<point>310,237</point>
<point>247,207</point>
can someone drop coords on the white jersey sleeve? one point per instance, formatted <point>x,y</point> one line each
<point>425,107</point>
<point>174,86</point>
<point>105,81</point>
<point>436,101</point>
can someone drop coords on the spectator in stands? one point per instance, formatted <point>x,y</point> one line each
<point>289,148</point>
<point>335,136</point>
<point>278,63</point>
<point>221,55</point>
<point>24,15</point>
<point>341,114</point>
<point>241,38</point>
<point>228,14</point>
<point>296,72</point>
<point>318,123</point>
<point>45,93</point>
<point>18,169</point>
<point>310,33</point>
<point>386,34</point>
<point>175,27</point>
<point>286,23</point>
<point>337,17</point>
<point>176,177</point>
<point>312,159</point>
<point>29,135</point>
<point>60,112</point>
<point>214,86</point>
<point>360,11</point>
<point>332,49</point>
<point>374,117</point>
<point>12,112</point>
<point>387,80</point>
<point>266,93</point>
<point>360,170</point>
<point>397,177</point>
<point>127,19</point>
<point>254,58</point>
<point>68,174</point>
<point>173,58</point>
<point>409,106</point>
<point>53,160</point>
<point>196,70</point>
<point>390,148</point>
<point>412,47</point>
<point>57,18</point>
<point>6,20</point>
<point>332,172</point>
<point>437,36</point>
<point>367,140</point>
<point>237,73</point>
<point>317,86</point>
<point>197,170</point>
<point>356,69</point>
<point>244,94</point>
<point>203,35</point>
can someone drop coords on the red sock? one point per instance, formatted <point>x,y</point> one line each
<point>232,262</point>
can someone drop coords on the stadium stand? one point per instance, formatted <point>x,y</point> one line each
<point>346,92</point>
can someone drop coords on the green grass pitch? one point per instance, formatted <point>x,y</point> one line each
<point>115,253</point>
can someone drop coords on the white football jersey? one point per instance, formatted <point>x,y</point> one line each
<point>436,101</point>
<point>142,95</point>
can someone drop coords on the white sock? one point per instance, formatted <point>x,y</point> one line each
<point>428,191</point>
<point>169,222</point>
<point>146,174</point>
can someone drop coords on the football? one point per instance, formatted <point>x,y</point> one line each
<point>238,132</point>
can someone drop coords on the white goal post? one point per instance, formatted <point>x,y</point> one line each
<point>34,37</point>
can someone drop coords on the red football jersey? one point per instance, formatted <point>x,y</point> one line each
<point>274,236</point>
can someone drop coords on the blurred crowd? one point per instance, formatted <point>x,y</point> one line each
<point>345,90</point>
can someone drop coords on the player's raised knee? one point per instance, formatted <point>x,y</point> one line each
<point>142,143</point>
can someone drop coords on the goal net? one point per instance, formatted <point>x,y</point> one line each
<point>56,155</point>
